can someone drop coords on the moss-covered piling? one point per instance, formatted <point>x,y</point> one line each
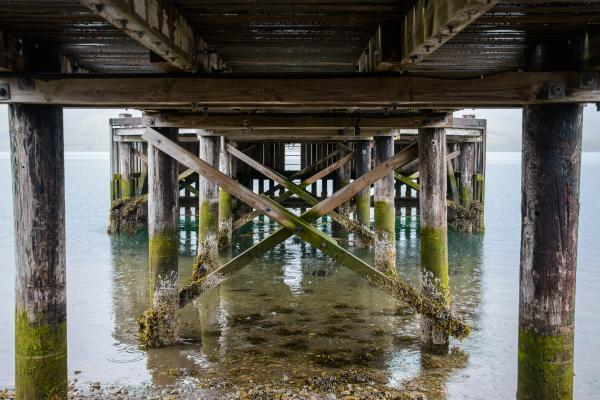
<point>37,158</point>
<point>550,217</point>
<point>128,216</point>
<point>225,229</point>
<point>385,210</point>
<point>159,325</point>
<point>433,231</point>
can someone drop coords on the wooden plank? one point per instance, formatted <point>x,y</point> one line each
<point>431,23</point>
<point>508,89</point>
<point>159,27</point>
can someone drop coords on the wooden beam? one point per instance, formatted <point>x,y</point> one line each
<point>508,89</point>
<point>159,27</point>
<point>431,23</point>
<point>301,227</point>
<point>305,121</point>
<point>244,219</point>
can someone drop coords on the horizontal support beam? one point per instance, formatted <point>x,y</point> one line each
<point>304,121</point>
<point>507,89</point>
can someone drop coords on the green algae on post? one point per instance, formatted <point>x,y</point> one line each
<point>225,219</point>
<point>40,359</point>
<point>128,216</point>
<point>385,231</point>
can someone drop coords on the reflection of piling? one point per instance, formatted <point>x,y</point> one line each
<point>363,198</point>
<point>550,214</point>
<point>385,212</point>
<point>36,135</point>
<point>433,232</point>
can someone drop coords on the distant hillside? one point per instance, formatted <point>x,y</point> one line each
<point>87,129</point>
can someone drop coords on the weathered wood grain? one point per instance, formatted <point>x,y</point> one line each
<point>433,229</point>
<point>508,89</point>
<point>550,218</point>
<point>38,186</point>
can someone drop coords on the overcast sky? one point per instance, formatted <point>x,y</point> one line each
<point>87,129</point>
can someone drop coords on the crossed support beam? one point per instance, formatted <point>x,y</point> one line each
<point>431,306</point>
<point>244,219</point>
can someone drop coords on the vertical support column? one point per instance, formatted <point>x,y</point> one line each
<point>550,215</point>
<point>37,157</point>
<point>126,170</point>
<point>385,210</point>
<point>362,162</point>
<point>466,168</point>
<point>163,243</point>
<point>207,259</point>
<point>225,208</point>
<point>343,179</point>
<point>434,229</point>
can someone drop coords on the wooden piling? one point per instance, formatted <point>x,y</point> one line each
<point>433,230</point>
<point>225,199</point>
<point>37,157</point>
<point>208,224</point>
<point>466,161</point>
<point>550,216</point>
<point>363,198</point>
<point>385,210</point>
<point>126,170</point>
<point>343,179</point>
<point>161,326</point>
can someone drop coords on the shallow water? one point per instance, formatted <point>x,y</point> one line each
<point>295,314</point>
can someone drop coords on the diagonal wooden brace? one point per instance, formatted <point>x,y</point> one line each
<point>301,227</point>
<point>312,179</point>
<point>305,171</point>
<point>357,229</point>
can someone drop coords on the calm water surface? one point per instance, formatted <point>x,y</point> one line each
<point>295,314</point>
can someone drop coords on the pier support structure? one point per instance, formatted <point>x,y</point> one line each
<point>466,161</point>
<point>343,175</point>
<point>225,199</point>
<point>163,241</point>
<point>125,168</point>
<point>207,259</point>
<point>36,140</point>
<point>385,210</point>
<point>550,215</point>
<point>433,229</point>
<point>362,165</point>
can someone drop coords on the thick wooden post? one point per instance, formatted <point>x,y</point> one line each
<point>126,170</point>
<point>550,216</point>
<point>362,162</point>
<point>225,199</point>
<point>385,211</point>
<point>342,180</point>
<point>36,139</point>
<point>433,229</point>
<point>207,259</point>
<point>163,240</point>
<point>466,168</point>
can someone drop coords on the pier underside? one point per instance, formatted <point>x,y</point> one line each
<point>341,109</point>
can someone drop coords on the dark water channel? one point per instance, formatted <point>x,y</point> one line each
<point>294,314</point>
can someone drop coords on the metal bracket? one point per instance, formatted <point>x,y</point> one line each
<point>4,91</point>
<point>588,81</point>
<point>556,90</point>
<point>26,84</point>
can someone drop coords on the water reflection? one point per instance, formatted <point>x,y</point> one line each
<point>295,313</point>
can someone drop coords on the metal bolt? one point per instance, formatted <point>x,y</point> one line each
<point>556,90</point>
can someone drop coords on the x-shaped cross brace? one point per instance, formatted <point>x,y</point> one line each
<point>292,224</point>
